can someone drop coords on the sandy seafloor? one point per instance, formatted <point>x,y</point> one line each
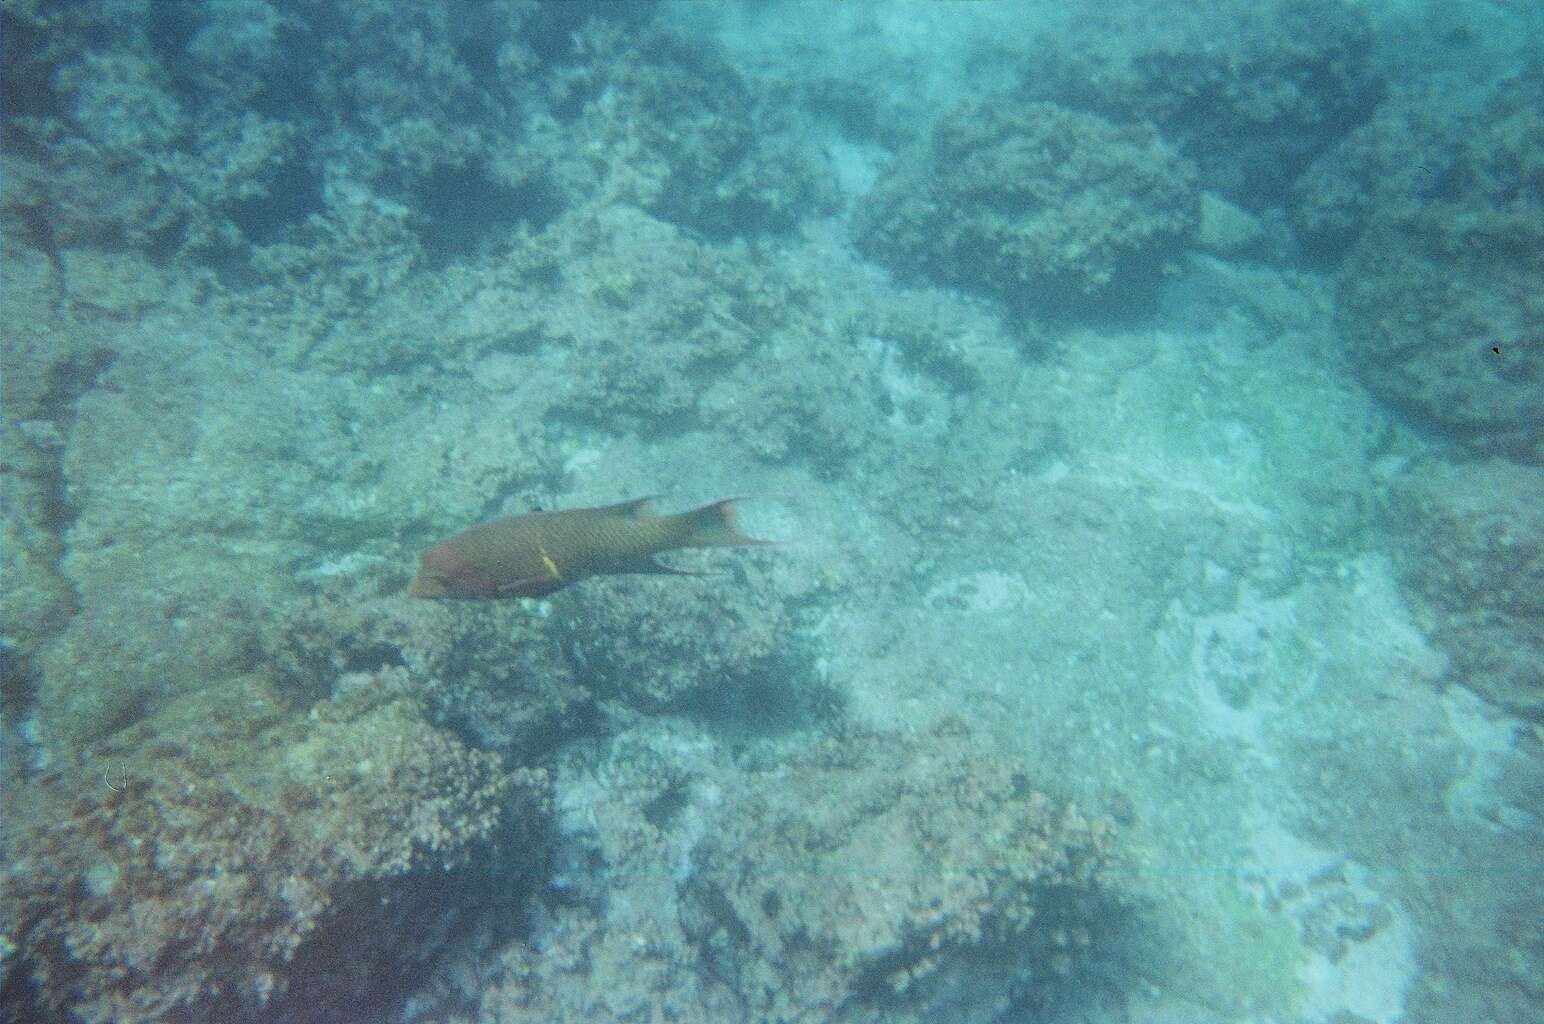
<point>1149,406</point>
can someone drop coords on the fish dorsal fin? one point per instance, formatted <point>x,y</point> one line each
<point>637,508</point>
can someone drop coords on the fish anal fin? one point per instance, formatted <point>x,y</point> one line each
<point>530,586</point>
<point>655,567</point>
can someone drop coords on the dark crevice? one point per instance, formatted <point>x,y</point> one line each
<point>460,209</point>
<point>49,509</point>
<point>293,196</point>
<point>26,88</point>
<point>68,380</point>
<point>19,680</point>
<point>663,810</point>
<point>373,657</point>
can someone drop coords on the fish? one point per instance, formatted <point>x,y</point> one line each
<point>541,552</point>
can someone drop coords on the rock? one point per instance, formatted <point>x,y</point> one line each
<point>1250,93</point>
<point>1469,547</point>
<point>913,878</point>
<point>1439,301</point>
<point>1051,208</point>
<point>230,858</point>
<point>1228,229</point>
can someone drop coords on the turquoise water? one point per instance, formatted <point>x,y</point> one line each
<point>1146,405</point>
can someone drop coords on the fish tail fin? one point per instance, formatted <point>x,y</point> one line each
<point>713,526</point>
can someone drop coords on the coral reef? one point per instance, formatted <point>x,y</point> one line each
<point>1469,547</point>
<point>659,644</point>
<point>609,321</point>
<point>866,873</point>
<point>701,149</point>
<point>191,131</point>
<point>229,857</point>
<point>1380,171</point>
<point>1439,300</point>
<point>1049,207</point>
<point>496,672</point>
<point>293,290</point>
<point>199,134</point>
<point>235,475</point>
<point>1251,93</point>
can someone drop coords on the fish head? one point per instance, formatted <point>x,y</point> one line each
<point>443,573</point>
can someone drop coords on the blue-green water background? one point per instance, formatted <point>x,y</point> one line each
<point>1147,399</point>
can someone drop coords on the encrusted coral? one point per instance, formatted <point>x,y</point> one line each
<point>872,871</point>
<point>1469,545</point>
<point>495,670</point>
<point>689,140</point>
<point>192,131</point>
<point>1388,167</point>
<point>1439,302</point>
<point>1047,206</point>
<point>1250,92</point>
<point>682,645</point>
<point>228,856</point>
<point>878,865</point>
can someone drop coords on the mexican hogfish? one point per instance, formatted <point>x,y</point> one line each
<point>535,554</point>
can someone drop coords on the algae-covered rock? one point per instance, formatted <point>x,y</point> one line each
<point>1450,339</point>
<point>1044,205</point>
<point>495,670</point>
<point>48,362</point>
<point>1469,547</point>
<point>871,874</point>
<point>171,540</point>
<point>682,645</point>
<point>1386,168</point>
<point>701,150</point>
<point>229,859</point>
<point>1250,92</point>
<point>891,868</point>
<point>38,600</point>
<point>1439,302</point>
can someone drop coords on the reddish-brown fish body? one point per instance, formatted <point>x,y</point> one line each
<point>535,554</point>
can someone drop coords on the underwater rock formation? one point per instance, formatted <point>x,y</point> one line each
<point>45,371</point>
<point>195,131</point>
<point>917,876</point>
<point>1050,208</point>
<point>1440,300</point>
<point>497,673</point>
<point>702,151</point>
<point>1469,547</point>
<point>655,647</point>
<point>229,859</point>
<point>1379,172</point>
<point>1249,92</point>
